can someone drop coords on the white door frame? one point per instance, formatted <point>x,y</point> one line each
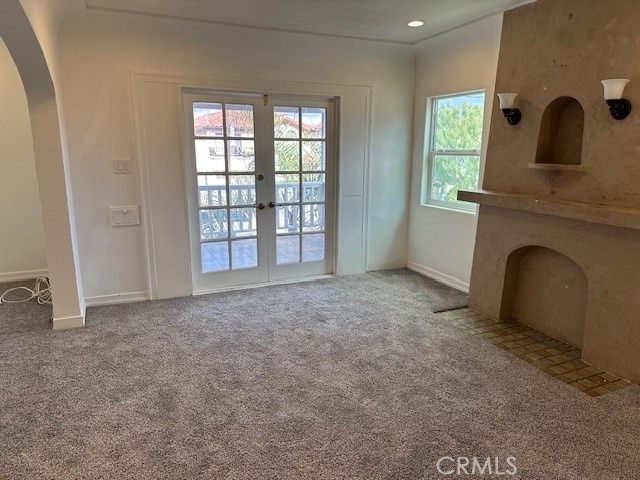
<point>352,164</point>
<point>267,271</point>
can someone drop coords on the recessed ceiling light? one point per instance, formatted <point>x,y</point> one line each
<point>415,23</point>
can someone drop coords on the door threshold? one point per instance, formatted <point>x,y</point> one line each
<point>264,284</point>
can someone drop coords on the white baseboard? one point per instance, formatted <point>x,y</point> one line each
<point>128,297</point>
<point>24,275</point>
<point>67,323</point>
<point>439,276</point>
<point>266,284</point>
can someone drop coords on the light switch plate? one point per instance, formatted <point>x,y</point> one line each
<point>122,165</point>
<point>124,216</point>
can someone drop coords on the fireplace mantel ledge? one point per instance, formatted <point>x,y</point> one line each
<point>625,217</point>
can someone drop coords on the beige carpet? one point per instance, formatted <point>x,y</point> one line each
<point>351,377</point>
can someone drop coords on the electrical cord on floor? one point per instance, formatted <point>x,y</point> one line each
<point>42,292</point>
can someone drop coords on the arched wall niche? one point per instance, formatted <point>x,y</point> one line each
<point>561,132</point>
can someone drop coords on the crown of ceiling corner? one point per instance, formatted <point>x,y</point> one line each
<point>382,21</point>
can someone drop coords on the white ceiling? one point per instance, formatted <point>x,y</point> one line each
<point>379,20</point>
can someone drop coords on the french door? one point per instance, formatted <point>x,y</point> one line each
<point>260,174</point>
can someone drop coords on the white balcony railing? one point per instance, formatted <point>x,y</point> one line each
<point>214,209</point>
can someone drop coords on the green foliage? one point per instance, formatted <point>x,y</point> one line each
<point>287,153</point>
<point>458,127</point>
<point>451,173</point>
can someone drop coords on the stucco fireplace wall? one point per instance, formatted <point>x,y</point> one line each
<point>609,257</point>
<point>587,209</point>
<point>564,48</point>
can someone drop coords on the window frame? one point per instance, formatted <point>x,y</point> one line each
<point>432,152</point>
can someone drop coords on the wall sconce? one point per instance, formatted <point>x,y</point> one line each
<point>512,115</point>
<point>618,107</point>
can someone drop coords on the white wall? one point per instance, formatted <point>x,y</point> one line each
<point>22,252</point>
<point>100,50</point>
<point>441,241</point>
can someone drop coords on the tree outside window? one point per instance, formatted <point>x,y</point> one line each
<point>455,144</point>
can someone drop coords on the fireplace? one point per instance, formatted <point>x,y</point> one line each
<point>558,239</point>
<point>568,269</point>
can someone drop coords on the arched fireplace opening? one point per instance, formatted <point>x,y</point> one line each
<point>547,291</point>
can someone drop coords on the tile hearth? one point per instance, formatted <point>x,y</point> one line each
<point>553,357</point>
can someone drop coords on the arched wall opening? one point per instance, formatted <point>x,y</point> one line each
<point>51,164</point>
<point>22,248</point>
<point>547,291</point>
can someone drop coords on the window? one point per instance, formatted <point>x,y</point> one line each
<point>454,150</point>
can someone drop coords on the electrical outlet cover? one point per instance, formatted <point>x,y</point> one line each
<point>124,216</point>
<point>122,165</point>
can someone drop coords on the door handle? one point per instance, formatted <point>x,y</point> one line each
<point>261,206</point>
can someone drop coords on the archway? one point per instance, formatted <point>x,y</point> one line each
<point>49,144</point>
<point>22,250</point>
